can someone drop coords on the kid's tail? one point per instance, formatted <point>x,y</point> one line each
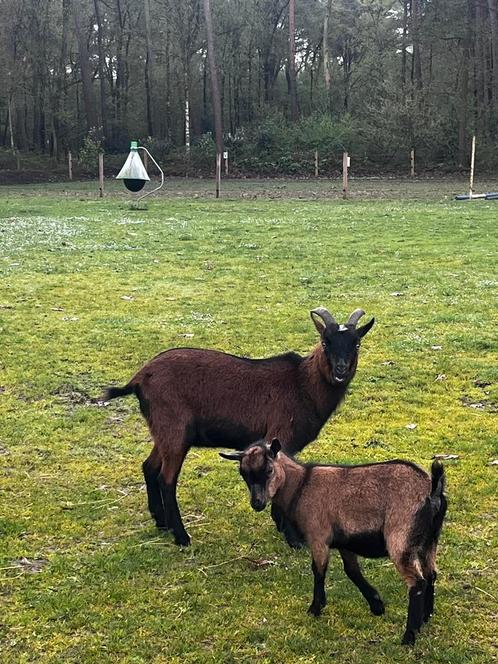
<point>439,502</point>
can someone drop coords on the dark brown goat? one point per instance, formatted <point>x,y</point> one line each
<point>383,509</point>
<point>195,397</point>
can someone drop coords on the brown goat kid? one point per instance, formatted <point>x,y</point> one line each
<point>376,510</point>
<point>196,397</point>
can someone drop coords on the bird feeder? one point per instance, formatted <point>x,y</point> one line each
<point>134,174</point>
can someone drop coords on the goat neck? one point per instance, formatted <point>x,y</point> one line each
<point>324,393</point>
<point>289,478</point>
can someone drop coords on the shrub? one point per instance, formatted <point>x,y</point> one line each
<point>88,156</point>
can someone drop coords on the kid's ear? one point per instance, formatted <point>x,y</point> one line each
<point>231,456</point>
<point>275,447</point>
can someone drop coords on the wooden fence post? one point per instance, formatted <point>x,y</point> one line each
<point>316,163</point>
<point>412,163</point>
<point>70,165</point>
<point>345,166</point>
<point>101,174</point>
<point>218,174</point>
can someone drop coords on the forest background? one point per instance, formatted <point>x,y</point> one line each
<point>373,77</point>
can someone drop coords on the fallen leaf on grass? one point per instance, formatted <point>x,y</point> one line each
<point>493,463</point>
<point>436,347</point>
<point>411,426</point>
<point>32,566</point>
<point>441,377</point>
<point>480,405</point>
<point>260,563</point>
<point>128,298</point>
<point>446,456</point>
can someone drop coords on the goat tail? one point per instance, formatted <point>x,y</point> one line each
<point>115,392</point>
<point>438,479</point>
<point>438,500</point>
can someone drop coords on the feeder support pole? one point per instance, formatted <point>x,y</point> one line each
<point>158,168</point>
<point>101,174</point>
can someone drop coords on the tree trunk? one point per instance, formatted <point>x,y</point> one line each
<point>187,114</point>
<point>493,22</point>
<point>215,89</point>
<point>11,132</point>
<point>86,76</point>
<point>463,91</point>
<point>292,61</point>
<point>168,88</point>
<point>404,44</point>
<point>147,72</point>
<point>100,67</point>
<point>480,67</point>
<point>326,56</point>
<point>417,61</point>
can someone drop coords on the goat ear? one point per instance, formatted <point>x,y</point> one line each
<point>361,331</point>
<point>231,456</point>
<point>275,447</point>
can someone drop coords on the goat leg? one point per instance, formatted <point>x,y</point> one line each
<point>151,472</point>
<point>353,571</point>
<point>172,460</point>
<point>429,596</point>
<point>319,566</point>
<point>415,611</point>
<point>173,516</point>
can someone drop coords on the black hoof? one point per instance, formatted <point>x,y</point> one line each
<point>408,638</point>
<point>314,610</point>
<point>295,543</point>
<point>377,607</point>
<point>182,539</point>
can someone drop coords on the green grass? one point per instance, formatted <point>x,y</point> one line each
<point>85,577</point>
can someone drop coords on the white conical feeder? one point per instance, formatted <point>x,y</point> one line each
<point>133,172</point>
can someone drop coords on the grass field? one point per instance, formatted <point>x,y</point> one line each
<point>89,290</point>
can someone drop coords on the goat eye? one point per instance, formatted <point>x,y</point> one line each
<point>357,346</point>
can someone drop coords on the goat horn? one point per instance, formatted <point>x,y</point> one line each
<point>325,315</point>
<point>355,317</point>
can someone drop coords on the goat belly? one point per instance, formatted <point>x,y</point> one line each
<point>367,544</point>
<point>219,432</point>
